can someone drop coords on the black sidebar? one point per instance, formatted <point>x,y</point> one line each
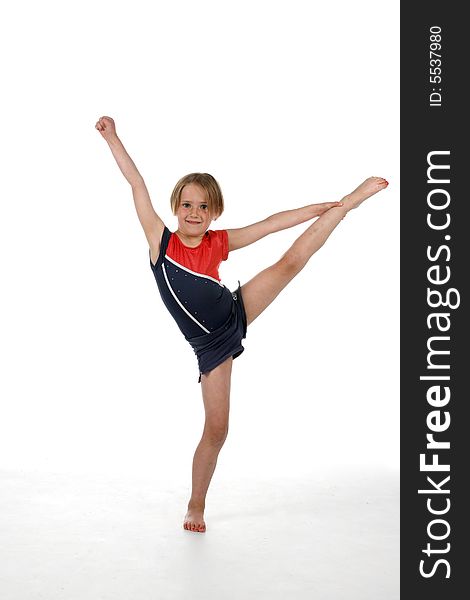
<point>435,253</point>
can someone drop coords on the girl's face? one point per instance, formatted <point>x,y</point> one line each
<point>193,212</point>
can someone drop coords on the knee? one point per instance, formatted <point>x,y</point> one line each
<point>292,262</point>
<point>215,432</point>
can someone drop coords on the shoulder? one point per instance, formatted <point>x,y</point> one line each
<point>219,237</point>
<point>217,233</point>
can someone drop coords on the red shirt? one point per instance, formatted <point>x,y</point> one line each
<point>205,258</point>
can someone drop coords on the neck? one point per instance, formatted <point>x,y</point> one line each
<point>193,240</point>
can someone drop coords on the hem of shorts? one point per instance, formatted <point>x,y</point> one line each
<point>236,352</point>
<point>243,312</point>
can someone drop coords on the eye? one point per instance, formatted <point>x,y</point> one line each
<point>185,204</point>
<point>204,206</point>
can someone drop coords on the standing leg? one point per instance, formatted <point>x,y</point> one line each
<point>259,292</point>
<point>216,396</point>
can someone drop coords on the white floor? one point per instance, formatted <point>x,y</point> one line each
<point>333,536</point>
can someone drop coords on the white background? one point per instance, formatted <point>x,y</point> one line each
<point>286,104</point>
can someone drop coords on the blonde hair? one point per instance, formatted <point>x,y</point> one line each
<point>214,198</point>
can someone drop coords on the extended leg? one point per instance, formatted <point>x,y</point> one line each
<point>259,292</point>
<point>216,396</point>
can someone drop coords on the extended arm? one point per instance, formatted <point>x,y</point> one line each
<point>151,223</point>
<point>243,236</point>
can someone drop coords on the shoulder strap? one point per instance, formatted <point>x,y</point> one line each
<point>165,239</point>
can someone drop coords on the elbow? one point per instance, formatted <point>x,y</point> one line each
<point>137,182</point>
<point>271,224</point>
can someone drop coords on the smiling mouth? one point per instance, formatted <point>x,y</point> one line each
<point>193,222</point>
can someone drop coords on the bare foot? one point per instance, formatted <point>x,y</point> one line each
<point>194,520</point>
<point>368,188</point>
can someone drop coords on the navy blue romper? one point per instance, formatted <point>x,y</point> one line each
<point>210,316</point>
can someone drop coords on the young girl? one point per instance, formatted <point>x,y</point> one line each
<point>214,320</point>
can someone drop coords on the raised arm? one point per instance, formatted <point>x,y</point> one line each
<point>151,223</point>
<point>243,236</point>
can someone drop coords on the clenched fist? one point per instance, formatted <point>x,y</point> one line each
<point>107,128</point>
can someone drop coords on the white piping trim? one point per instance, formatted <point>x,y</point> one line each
<point>177,300</point>
<point>193,272</point>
